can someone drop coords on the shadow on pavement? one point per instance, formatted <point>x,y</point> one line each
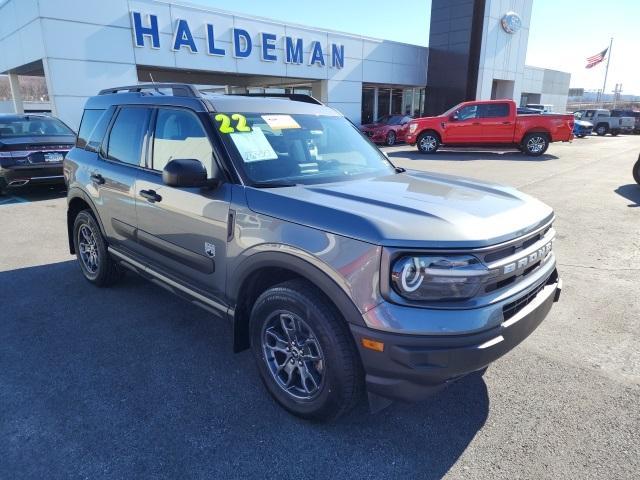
<point>129,382</point>
<point>630,192</point>
<point>34,193</point>
<point>469,155</point>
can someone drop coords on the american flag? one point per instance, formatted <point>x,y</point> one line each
<point>597,58</point>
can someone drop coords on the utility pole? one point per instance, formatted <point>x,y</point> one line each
<point>616,94</point>
<point>606,72</point>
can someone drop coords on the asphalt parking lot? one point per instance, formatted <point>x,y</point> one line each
<point>130,382</point>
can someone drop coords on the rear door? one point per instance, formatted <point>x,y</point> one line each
<point>113,177</point>
<point>463,126</point>
<point>497,122</point>
<point>183,231</point>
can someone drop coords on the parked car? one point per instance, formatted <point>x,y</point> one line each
<point>629,113</point>
<point>544,108</point>
<point>582,128</point>
<point>604,123</point>
<point>32,148</point>
<point>338,270</point>
<point>528,111</point>
<point>491,123</point>
<point>388,130</point>
<point>636,171</point>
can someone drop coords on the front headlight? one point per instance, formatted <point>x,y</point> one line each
<point>413,127</point>
<point>438,277</point>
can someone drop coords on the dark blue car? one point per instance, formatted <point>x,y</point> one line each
<point>582,128</point>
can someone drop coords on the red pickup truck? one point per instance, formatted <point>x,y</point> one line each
<point>491,123</point>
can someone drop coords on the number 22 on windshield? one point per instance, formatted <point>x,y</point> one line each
<point>225,123</point>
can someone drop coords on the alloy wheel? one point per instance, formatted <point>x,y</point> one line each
<point>88,247</point>
<point>428,143</point>
<point>536,144</point>
<point>293,355</point>
<point>391,138</point>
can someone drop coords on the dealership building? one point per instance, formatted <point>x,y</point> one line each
<point>477,50</point>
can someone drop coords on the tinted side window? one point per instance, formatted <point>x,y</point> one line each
<point>87,124</point>
<point>127,135</point>
<point>493,110</point>
<point>179,135</point>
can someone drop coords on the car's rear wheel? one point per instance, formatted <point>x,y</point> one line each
<point>305,352</point>
<point>535,144</point>
<point>91,250</point>
<point>428,142</point>
<point>391,138</point>
<point>636,171</point>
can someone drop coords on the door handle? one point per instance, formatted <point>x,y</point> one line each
<point>97,178</point>
<point>506,123</point>
<point>475,123</point>
<point>150,195</point>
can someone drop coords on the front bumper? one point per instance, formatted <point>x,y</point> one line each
<point>413,367</point>
<point>42,173</point>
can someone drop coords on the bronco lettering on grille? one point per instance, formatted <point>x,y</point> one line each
<point>530,259</point>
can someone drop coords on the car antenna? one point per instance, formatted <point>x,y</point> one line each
<point>154,82</point>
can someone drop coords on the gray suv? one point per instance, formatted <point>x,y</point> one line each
<point>341,272</point>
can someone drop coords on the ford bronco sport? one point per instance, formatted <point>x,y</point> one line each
<point>338,270</point>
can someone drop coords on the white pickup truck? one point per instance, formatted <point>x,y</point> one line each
<point>604,123</point>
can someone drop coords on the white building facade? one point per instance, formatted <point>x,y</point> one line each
<point>83,46</point>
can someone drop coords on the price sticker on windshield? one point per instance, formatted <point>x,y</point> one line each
<point>280,122</point>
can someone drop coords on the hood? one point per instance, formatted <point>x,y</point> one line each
<point>412,209</point>
<point>373,126</point>
<point>583,123</point>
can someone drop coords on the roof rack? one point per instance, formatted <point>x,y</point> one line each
<point>188,90</point>
<point>177,89</point>
<point>296,97</point>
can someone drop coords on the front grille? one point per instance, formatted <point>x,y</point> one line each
<point>510,309</point>
<point>497,260</point>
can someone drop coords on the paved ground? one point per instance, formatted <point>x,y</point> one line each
<point>131,383</point>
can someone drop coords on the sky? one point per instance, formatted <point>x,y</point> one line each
<point>563,32</point>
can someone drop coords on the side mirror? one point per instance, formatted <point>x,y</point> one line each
<point>184,173</point>
<point>454,117</point>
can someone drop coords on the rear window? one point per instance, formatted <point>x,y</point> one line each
<point>494,110</point>
<point>32,127</point>
<point>87,124</point>
<point>127,134</point>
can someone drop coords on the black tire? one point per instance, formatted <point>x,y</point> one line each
<point>535,144</point>
<point>636,171</point>
<point>338,377</point>
<point>391,138</point>
<point>101,270</point>
<point>601,130</point>
<point>581,135</point>
<point>428,142</point>
<point>615,132</point>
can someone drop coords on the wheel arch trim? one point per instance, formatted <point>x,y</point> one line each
<point>73,194</point>
<point>302,268</point>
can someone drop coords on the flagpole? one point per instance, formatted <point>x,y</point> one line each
<point>606,72</point>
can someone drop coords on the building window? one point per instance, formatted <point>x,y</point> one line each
<point>368,105</point>
<point>384,102</point>
<point>396,101</point>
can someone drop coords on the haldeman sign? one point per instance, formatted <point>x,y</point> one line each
<point>242,44</point>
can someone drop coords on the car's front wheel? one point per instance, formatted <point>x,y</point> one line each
<point>428,142</point>
<point>91,249</point>
<point>535,144</point>
<point>305,352</point>
<point>601,130</point>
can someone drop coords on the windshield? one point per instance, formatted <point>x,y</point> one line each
<point>289,149</point>
<point>391,120</point>
<point>451,110</point>
<point>32,127</point>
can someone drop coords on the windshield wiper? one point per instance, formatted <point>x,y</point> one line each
<point>274,184</point>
